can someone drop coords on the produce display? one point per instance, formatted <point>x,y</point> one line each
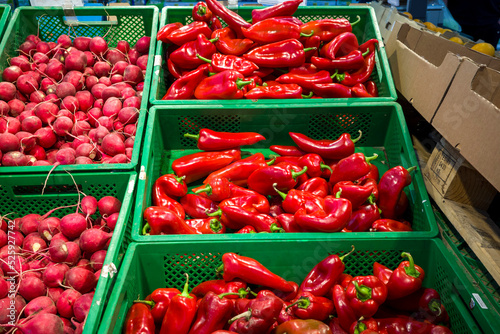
<point>316,186</point>
<point>249,298</point>
<point>76,101</point>
<point>50,266</point>
<point>277,56</point>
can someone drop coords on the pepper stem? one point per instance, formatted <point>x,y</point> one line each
<point>147,302</point>
<point>308,96</point>
<point>246,314</point>
<point>360,328</point>
<point>297,174</point>
<point>411,169</point>
<point>306,35</point>
<point>215,213</point>
<point>201,10</point>
<point>309,49</point>
<point>146,229</point>
<point>274,228</point>
<point>373,157</point>
<point>222,295</point>
<point>339,193</point>
<point>282,194</point>
<point>363,292</point>
<point>302,302</point>
<point>270,162</point>
<point>325,166</point>
<point>213,39</point>
<point>364,54</point>
<point>220,269</point>
<point>215,225</point>
<point>205,60</point>
<point>179,178</point>
<point>371,199</point>
<point>340,77</point>
<point>207,189</point>
<point>355,140</point>
<point>185,291</point>
<point>410,270</point>
<point>435,307</point>
<point>240,83</point>
<point>334,75</point>
<point>345,255</point>
<point>358,18</point>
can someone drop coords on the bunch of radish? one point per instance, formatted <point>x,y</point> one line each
<point>71,102</point>
<point>55,264</point>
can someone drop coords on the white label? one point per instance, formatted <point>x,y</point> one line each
<point>479,300</point>
<point>56,2</point>
<point>142,173</point>
<point>130,186</point>
<point>157,60</point>
<point>108,270</point>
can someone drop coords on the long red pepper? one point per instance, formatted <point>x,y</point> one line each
<point>340,46</point>
<point>363,217</point>
<point>198,207</point>
<point>261,222</point>
<point>246,230</point>
<point>361,75</point>
<point>222,62</point>
<point>389,225</point>
<point>287,53</point>
<point>262,180</point>
<point>312,43</point>
<point>160,220</point>
<point>166,30</point>
<point>365,294</point>
<point>303,326</point>
<point>228,44</point>
<point>382,272</point>
<point>406,279</point>
<point>160,299</point>
<point>327,29</point>
<point>170,185</point>
<point>287,222</point>
<point>331,90</point>
<point>287,150</point>
<point>189,33</point>
<point>262,313</point>
<point>351,168</point>
<point>251,271</point>
<point>345,314</point>
<point>316,186</point>
<point>180,313</point>
<point>271,30</point>
<point>295,200</point>
<point>188,55</point>
<point>352,61</point>
<point>201,12</point>
<point>231,18</point>
<point>215,23</point>
<point>209,140</point>
<point>219,287</point>
<point>355,193</point>
<point>198,165</point>
<point>280,91</point>
<point>286,8</point>
<point>160,199</point>
<point>239,171</point>
<point>306,81</point>
<point>139,320</point>
<point>390,187</point>
<point>207,225</point>
<point>214,311</point>
<point>225,85</point>
<point>174,70</point>
<point>309,306</point>
<point>408,325</point>
<point>217,189</point>
<point>327,149</point>
<point>184,87</point>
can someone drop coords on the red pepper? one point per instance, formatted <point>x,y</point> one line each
<point>313,43</point>
<point>184,87</point>
<point>214,311</point>
<point>246,230</point>
<point>262,313</point>
<point>423,300</point>
<point>363,217</point>
<point>226,85</point>
<point>333,219</point>
<point>239,171</point>
<point>251,271</point>
<point>160,220</point>
<point>284,296</point>
<point>217,189</point>
<point>285,91</point>
<point>305,81</point>
<point>369,45</point>
<point>275,208</point>
<point>287,53</point>
<point>215,23</point>
<point>289,19</point>
<point>340,46</point>
<point>162,200</point>
<point>359,90</point>
<point>355,193</point>
<point>369,182</point>
<point>351,168</point>
<point>390,188</point>
<point>160,300</point>
<point>180,313</point>
<point>295,200</point>
<point>174,70</point>
<point>218,287</point>
<point>256,81</point>
<point>209,140</point>
<point>201,12</point>
<point>360,75</point>
<point>327,149</point>
<point>228,43</point>
<point>207,225</point>
<point>285,177</point>
<point>261,222</point>
<point>405,280</point>
<point>335,327</point>
<point>170,185</point>
<point>287,222</point>
<point>401,206</point>
<point>231,18</point>
<point>327,29</point>
<point>382,272</point>
<point>237,191</point>
<point>331,90</point>
<point>197,207</point>
<point>408,325</point>
<point>345,314</point>
<point>365,294</point>
<point>323,277</point>
<point>352,61</point>
<point>344,280</point>
<point>271,30</point>
<point>264,72</point>
<point>222,62</point>
<point>187,56</point>
<point>371,88</point>
<point>286,8</point>
<point>167,30</point>
<point>309,306</point>
<point>287,150</point>
<point>198,165</point>
<point>389,225</point>
<point>139,320</point>
<point>189,33</point>
<point>256,203</point>
<point>316,186</point>
<point>314,163</point>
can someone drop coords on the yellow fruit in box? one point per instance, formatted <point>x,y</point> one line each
<point>430,26</point>
<point>417,20</point>
<point>457,40</point>
<point>409,15</point>
<point>440,30</point>
<point>485,48</point>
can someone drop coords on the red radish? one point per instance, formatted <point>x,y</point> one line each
<point>42,47</point>
<point>51,156</point>
<point>129,130</point>
<point>14,158</point>
<point>86,150</point>
<point>75,78</point>
<point>114,56</point>
<point>129,142</point>
<point>40,304</point>
<point>73,225</point>
<point>74,253</point>
<point>37,96</point>
<point>16,107</point>
<point>40,58</point>
<point>105,81</point>
<point>128,115</point>
<point>38,152</point>
<point>3,240</point>
<point>94,114</point>
<point>112,144</point>
<point>123,46</point>
<point>29,223</point>
<point>66,156</point>
<point>99,103</point>
<point>90,81</point>
<point>32,274</point>
<point>133,55</point>
<point>16,237</point>
<point>46,137</point>
<point>110,92</point>
<point>42,323</point>
<point>64,41</point>
<point>97,90</point>
<point>83,161</point>
<point>93,240</point>
<point>142,62</point>
<point>26,140</point>
<point>31,124</point>
<point>4,108</point>
<point>62,125</point>
<point>85,264</point>
<point>97,259</point>
<point>133,74</point>
<point>52,98</point>
<point>80,279</point>
<point>4,286</point>
<point>90,59</point>
<point>22,62</point>
<point>27,48</point>
<point>80,140</point>
<point>32,287</point>
<point>35,74</point>
<point>35,39</point>
<point>109,205</point>
<point>88,72</point>
<point>76,61</point>
<point>10,125</point>
<point>34,243</point>
<point>18,266</point>
<point>31,160</point>
<point>41,163</point>
<point>55,69</point>
<point>26,84</point>
<point>70,103</point>
<point>115,78</point>
<point>85,100</point>
<point>127,93</point>
<point>119,67</point>
<point>58,251</point>
<point>81,128</point>
<point>112,107</point>
<point>46,111</point>
<point>39,264</point>
<point>55,293</point>
<point>48,228</point>
<point>9,142</point>
<point>7,91</point>
<point>59,235</point>
<point>81,116</point>
<point>6,308</point>
<point>65,89</point>
<point>118,126</point>
<point>82,306</point>
<point>98,46</point>
<point>54,274</point>
<point>101,68</point>
<point>82,43</point>
<point>11,73</point>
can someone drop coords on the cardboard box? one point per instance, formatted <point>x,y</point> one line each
<point>469,117</point>
<point>455,179</point>
<point>391,22</point>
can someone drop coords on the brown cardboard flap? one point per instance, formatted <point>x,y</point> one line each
<point>486,83</point>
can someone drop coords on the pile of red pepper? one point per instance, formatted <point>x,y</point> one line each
<point>316,186</point>
<point>276,57</point>
<point>327,301</point>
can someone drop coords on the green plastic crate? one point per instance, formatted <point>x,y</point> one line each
<point>366,29</point>
<point>4,18</point>
<point>21,195</point>
<point>158,265</point>
<point>478,274</point>
<point>384,132</point>
<point>125,23</point>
